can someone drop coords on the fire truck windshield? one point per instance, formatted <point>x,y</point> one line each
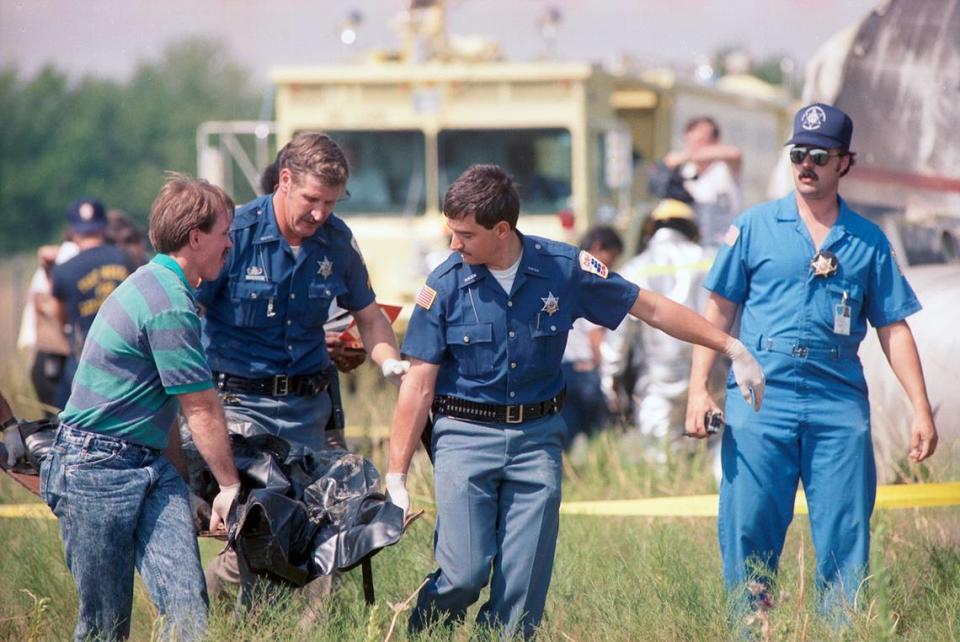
<point>539,160</point>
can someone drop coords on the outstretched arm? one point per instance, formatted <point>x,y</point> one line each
<point>683,323</point>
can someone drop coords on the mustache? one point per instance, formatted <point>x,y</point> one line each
<point>809,173</point>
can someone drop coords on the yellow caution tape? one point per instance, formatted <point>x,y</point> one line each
<point>890,496</point>
<point>657,270</point>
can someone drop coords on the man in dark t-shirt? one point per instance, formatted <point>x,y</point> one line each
<point>81,284</point>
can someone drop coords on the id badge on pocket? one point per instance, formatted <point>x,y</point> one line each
<point>841,317</point>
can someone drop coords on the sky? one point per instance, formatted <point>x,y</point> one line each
<point>109,37</point>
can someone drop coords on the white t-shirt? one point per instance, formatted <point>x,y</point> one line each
<point>506,277</point>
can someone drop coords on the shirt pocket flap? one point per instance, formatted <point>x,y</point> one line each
<point>465,335</point>
<point>253,291</point>
<point>854,290</point>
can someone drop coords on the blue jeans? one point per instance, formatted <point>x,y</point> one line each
<point>498,515</point>
<point>120,506</point>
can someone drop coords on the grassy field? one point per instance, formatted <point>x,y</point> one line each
<point>614,579</point>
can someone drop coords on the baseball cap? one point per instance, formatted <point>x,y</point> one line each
<point>87,216</point>
<point>671,208</point>
<point>823,126</point>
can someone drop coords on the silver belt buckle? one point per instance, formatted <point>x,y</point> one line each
<point>281,385</point>
<point>519,417</point>
<point>799,351</point>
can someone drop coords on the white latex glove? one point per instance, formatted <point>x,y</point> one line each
<point>199,511</point>
<point>397,491</point>
<point>14,444</point>
<point>221,506</point>
<point>747,372</point>
<point>394,370</point>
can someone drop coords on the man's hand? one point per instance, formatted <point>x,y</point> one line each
<point>221,506</point>
<point>344,359</point>
<point>699,403</point>
<point>747,372</point>
<point>923,436</point>
<point>397,491</point>
<point>14,444</point>
<point>393,370</point>
<point>199,511</point>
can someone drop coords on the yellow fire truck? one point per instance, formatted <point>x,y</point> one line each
<point>577,138</point>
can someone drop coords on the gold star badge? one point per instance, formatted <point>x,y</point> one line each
<point>326,267</point>
<point>824,264</point>
<point>550,304</point>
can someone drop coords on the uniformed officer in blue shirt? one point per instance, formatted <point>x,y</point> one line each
<point>806,273</point>
<point>485,340</point>
<point>292,256</point>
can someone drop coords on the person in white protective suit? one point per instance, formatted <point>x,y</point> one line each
<point>673,264</point>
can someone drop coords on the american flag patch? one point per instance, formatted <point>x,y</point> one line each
<point>593,265</point>
<point>425,297</point>
<point>733,233</point>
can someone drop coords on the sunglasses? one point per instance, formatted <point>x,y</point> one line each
<point>820,157</point>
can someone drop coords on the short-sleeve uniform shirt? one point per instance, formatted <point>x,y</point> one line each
<point>266,310</point>
<point>494,347</point>
<point>764,265</point>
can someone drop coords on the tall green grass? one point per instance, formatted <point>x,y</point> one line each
<point>615,579</point>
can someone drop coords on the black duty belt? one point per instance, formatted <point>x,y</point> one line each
<point>495,413</point>
<point>277,386</point>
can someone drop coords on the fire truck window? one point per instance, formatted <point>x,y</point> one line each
<point>387,172</point>
<point>538,159</point>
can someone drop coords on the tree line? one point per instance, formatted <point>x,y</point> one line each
<point>62,139</point>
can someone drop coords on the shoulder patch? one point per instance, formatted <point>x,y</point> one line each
<point>733,233</point>
<point>593,265</point>
<point>426,297</point>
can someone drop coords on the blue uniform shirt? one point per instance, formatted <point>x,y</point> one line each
<point>764,266</point>
<point>266,310</point>
<point>495,348</point>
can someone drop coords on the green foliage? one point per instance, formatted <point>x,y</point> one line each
<point>63,140</point>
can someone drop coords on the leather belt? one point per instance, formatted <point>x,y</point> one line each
<point>489,413</point>
<point>279,385</point>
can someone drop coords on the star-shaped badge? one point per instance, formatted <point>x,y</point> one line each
<point>824,264</point>
<point>326,267</point>
<point>550,304</point>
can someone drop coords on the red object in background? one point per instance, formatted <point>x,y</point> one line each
<point>351,335</point>
<point>567,219</point>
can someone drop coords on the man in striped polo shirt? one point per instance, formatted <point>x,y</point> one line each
<point>120,501</point>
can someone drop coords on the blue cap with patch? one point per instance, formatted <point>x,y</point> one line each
<point>87,216</point>
<point>822,126</point>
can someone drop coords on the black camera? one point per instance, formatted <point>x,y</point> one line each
<point>713,422</point>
